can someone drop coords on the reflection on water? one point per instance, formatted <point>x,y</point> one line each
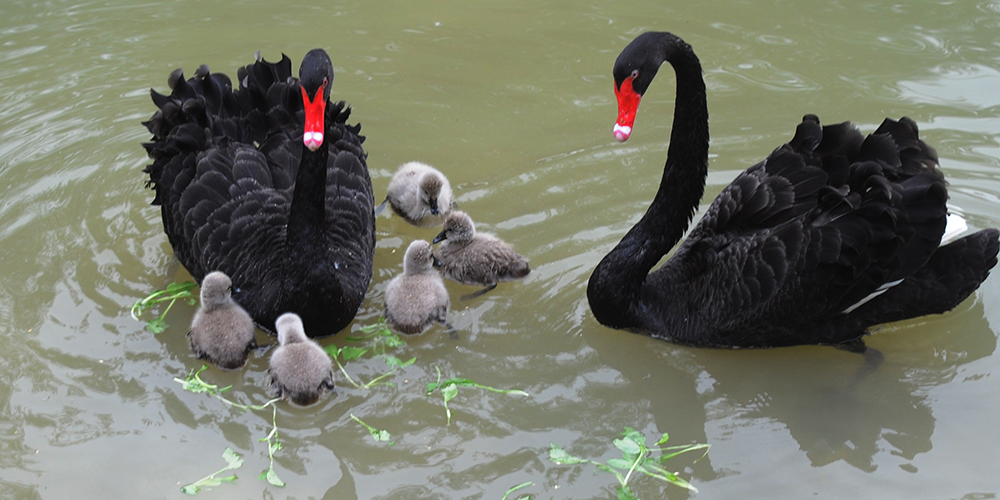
<point>513,101</point>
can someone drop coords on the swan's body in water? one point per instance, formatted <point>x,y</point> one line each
<point>417,299</point>
<point>420,194</point>
<point>221,331</point>
<point>786,253</point>
<point>268,184</point>
<point>473,258</point>
<point>300,370</point>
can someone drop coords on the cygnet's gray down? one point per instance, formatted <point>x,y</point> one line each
<point>221,331</point>
<point>300,369</point>
<point>420,194</point>
<point>475,258</point>
<point>417,299</point>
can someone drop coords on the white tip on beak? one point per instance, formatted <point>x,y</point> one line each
<point>312,140</point>
<point>622,132</point>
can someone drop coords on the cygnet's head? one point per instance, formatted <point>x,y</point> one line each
<point>215,289</point>
<point>290,329</point>
<point>430,190</point>
<point>419,258</point>
<point>458,227</point>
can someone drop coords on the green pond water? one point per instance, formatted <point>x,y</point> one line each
<point>513,100</point>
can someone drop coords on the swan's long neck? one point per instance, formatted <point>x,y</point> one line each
<point>307,215</point>
<point>615,286</point>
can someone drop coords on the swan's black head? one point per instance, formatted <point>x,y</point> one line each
<point>315,78</point>
<point>635,69</point>
<point>316,71</point>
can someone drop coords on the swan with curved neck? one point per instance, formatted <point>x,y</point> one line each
<point>268,184</point>
<point>831,234</point>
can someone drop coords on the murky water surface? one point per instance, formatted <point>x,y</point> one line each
<point>513,101</point>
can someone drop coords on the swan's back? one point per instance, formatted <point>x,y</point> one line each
<point>824,222</point>
<point>224,167</point>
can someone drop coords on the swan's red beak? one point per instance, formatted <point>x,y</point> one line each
<point>628,104</point>
<point>312,135</point>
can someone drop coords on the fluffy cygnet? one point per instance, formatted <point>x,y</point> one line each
<point>417,299</point>
<point>420,194</point>
<point>476,259</point>
<point>300,369</point>
<point>221,331</point>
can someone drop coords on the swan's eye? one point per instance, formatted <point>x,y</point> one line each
<point>635,73</point>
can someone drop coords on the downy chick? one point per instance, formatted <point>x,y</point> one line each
<point>300,369</point>
<point>417,299</point>
<point>420,194</point>
<point>221,331</point>
<point>476,259</point>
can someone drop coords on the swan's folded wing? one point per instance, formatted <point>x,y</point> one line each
<point>816,227</point>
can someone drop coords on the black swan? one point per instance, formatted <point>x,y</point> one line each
<point>221,331</point>
<point>832,233</point>
<point>300,370</point>
<point>473,258</point>
<point>270,185</point>
<point>417,299</point>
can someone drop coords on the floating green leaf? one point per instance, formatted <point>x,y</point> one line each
<point>636,456</point>
<point>560,456</point>
<point>380,337</point>
<point>624,493</point>
<point>378,434</point>
<point>449,389</point>
<point>352,353</point>
<point>233,461</point>
<point>273,445</point>
<point>515,488</point>
<point>194,383</point>
<point>171,294</point>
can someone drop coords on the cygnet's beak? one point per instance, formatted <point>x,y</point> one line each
<point>443,235</point>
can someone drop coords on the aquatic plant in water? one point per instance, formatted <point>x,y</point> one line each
<point>233,461</point>
<point>515,488</point>
<point>378,434</point>
<point>173,293</point>
<point>636,457</point>
<point>194,383</point>
<point>449,389</point>
<point>380,338</point>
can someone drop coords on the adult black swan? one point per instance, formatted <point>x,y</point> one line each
<point>830,234</point>
<point>269,185</point>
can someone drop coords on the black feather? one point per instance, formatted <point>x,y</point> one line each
<point>225,164</point>
<point>787,252</point>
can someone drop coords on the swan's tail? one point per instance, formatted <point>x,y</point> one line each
<point>953,272</point>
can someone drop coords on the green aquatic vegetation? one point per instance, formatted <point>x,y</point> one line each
<point>272,446</point>
<point>449,389</point>
<point>194,383</point>
<point>378,434</point>
<point>515,488</point>
<point>380,338</point>
<point>233,461</point>
<point>636,457</point>
<point>173,293</point>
